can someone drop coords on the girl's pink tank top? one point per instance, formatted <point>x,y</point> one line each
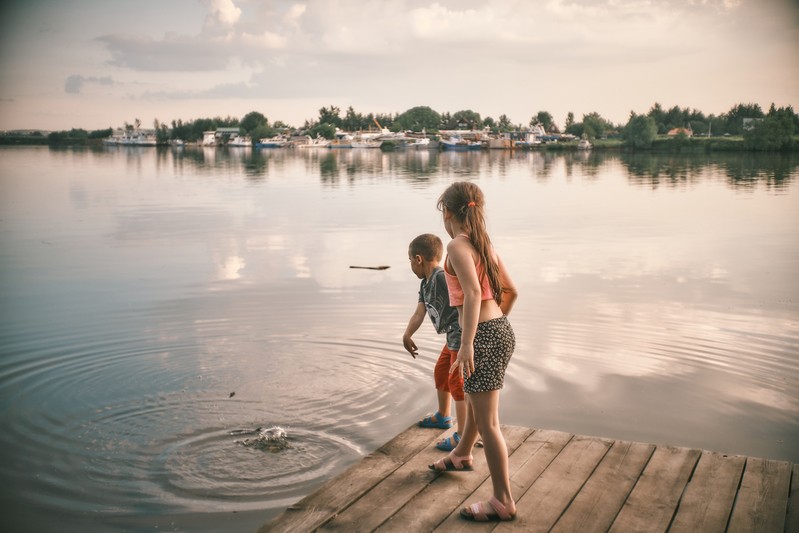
<point>455,289</point>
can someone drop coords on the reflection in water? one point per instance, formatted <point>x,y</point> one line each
<point>741,170</point>
<point>139,288</point>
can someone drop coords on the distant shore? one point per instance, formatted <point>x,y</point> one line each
<point>661,144</point>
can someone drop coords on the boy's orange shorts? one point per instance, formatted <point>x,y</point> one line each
<point>452,383</point>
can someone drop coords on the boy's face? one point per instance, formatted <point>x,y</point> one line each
<point>417,265</point>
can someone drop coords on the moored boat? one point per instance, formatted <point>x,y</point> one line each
<point>278,141</point>
<point>318,142</point>
<point>457,143</point>
<point>240,141</point>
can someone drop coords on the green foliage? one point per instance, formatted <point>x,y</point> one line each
<point>640,131</point>
<point>253,120</point>
<point>263,131</point>
<point>576,129</point>
<point>328,131</point>
<point>734,118</point>
<point>504,124</point>
<point>772,133</point>
<point>569,121</point>
<point>419,118</point>
<point>593,126</point>
<point>545,119</point>
<point>101,134</point>
<point>330,116</point>
<point>466,119</point>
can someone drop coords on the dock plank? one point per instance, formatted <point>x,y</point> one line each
<point>432,505</point>
<point>320,506</point>
<point>602,497</point>
<point>707,503</point>
<point>562,483</point>
<point>543,503</point>
<point>653,501</point>
<point>525,465</point>
<point>762,499</point>
<point>792,520</point>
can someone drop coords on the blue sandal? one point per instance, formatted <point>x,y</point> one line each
<point>449,443</point>
<point>437,421</point>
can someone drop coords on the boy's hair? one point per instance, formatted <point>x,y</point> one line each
<point>427,245</point>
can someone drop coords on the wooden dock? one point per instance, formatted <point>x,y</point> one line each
<point>562,483</point>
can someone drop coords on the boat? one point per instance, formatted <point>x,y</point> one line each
<point>583,144</point>
<point>240,141</point>
<point>342,140</point>
<point>132,138</point>
<point>459,144</point>
<point>318,142</point>
<point>361,142</point>
<point>209,138</point>
<point>278,141</point>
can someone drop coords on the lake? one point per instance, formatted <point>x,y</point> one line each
<point>159,304</point>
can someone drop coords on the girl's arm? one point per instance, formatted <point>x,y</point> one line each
<point>459,252</point>
<point>413,324</point>
<point>509,292</point>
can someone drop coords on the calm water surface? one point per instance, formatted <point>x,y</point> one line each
<point>141,288</point>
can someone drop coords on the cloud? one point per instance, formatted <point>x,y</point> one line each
<point>75,83</point>
<point>173,53</point>
<point>222,13</point>
<point>266,39</point>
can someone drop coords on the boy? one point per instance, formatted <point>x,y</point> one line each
<point>425,253</point>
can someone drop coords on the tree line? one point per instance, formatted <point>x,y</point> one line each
<point>770,130</point>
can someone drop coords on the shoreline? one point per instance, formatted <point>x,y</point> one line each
<point>692,145</point>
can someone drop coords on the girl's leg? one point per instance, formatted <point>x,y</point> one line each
<point>460,414</point>
<point>470,433</point>
<point>485,409</point>
<point>455,382</point>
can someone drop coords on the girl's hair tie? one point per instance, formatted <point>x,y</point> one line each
<point>471,204</point>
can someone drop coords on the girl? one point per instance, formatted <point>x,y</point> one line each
<point>483,292</point>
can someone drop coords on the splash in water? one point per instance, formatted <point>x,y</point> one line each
<point>271,439</point>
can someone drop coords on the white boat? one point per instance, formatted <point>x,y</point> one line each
<point>342,140</point>
<point>420,144</point>
<point>278,141</point>
<point>319,142</point>
<point>209,138</point>
<point>360,142</point>
<point>132,138</point>
<point>240,141</point>
<point>583,144</point>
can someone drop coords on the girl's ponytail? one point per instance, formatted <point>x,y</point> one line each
<point>466,202</point>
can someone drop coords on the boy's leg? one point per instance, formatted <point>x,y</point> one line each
<point>441,377</point>
<point>455,383</point>
<point>444,402</point>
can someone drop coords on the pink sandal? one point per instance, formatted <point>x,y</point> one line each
<point>487,512</point>
<point>452,463</point>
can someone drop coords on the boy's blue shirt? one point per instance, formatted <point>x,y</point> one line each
<point>434,295</point>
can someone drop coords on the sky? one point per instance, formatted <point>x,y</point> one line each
<point>95,64</point>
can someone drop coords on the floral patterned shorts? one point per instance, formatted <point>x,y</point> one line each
<point>493,346</point>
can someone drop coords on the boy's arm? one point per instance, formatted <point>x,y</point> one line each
<point>413,324</point>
